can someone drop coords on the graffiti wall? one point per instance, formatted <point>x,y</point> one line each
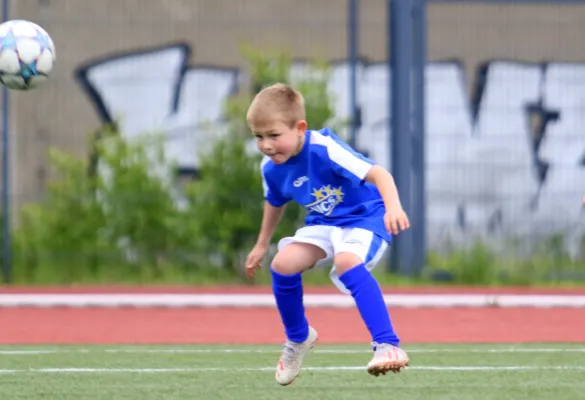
<point>509,158</point>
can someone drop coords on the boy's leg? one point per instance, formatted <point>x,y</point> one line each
<point>358,249</point>
<point>286,269</point>
<point>287,285</point>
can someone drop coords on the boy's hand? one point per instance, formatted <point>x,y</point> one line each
<point>254,259</point>
<point>396,220</point>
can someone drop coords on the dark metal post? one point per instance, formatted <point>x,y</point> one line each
<point>353,54</point>
<point>6,234</point>
<point>400,57</point>
<point>418,216</point>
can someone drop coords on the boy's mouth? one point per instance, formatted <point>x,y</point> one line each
<point>276,157</point>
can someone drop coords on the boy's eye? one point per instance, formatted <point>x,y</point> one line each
<point>267,136</point>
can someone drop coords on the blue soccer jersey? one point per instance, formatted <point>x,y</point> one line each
<point>328,179</point>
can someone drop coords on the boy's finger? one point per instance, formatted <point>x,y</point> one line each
<point>388,227</point>
<point>394,225</point>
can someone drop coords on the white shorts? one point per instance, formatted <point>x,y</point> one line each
<point>368,246</point>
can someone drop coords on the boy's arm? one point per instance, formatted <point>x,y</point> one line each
<point>270,219</point>
<point>395,218</point>
<point>384,181</point>
<point>274,206</point>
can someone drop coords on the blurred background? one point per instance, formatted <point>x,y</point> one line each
<point>133,162</point>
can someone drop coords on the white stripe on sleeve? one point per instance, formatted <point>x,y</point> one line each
<point>264,184</point>
<point>341,156</point>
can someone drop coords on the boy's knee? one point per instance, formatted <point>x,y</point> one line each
<point>346,261</point>
<point>283,266</point>
<point>296,257</point>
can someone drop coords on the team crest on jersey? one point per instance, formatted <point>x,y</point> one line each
<point>326,199</point>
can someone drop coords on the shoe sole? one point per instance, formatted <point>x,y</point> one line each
<point>297,375</point>
<point>384,368</point>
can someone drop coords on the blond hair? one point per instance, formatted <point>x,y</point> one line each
<point>278,102</point>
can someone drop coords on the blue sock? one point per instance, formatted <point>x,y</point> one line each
<point>370,302</point>
<point>288,292</point>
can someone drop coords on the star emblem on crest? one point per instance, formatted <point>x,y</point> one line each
<point>327,191</point>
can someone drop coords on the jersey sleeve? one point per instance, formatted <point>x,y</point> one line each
<point>348,163</point>
<point>271,192</point>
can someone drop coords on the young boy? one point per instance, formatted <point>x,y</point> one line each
<point>353,210</point>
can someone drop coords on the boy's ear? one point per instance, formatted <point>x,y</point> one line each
<point>302,125</point>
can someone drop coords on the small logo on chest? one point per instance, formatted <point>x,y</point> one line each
<point>326,199</point>
<point>299,181</point>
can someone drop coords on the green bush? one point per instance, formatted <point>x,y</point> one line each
<point>547,264</point>
<point>118,221</point>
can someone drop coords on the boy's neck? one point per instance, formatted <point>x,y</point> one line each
<point>300,144</point>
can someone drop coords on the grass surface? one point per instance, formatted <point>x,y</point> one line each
<point>454,372</point>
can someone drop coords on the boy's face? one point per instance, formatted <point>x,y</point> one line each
<point>280,142</point>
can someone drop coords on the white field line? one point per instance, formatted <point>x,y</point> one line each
<point>16,352</point>
<point>270,369</point>
<point>267,300</point>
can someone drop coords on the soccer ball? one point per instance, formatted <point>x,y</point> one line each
<point>27,55</point>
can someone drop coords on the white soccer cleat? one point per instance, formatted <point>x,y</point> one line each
<point>290,362</point>
<point>387,358</point>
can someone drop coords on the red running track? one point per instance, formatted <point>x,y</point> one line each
<point>262,326</point>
